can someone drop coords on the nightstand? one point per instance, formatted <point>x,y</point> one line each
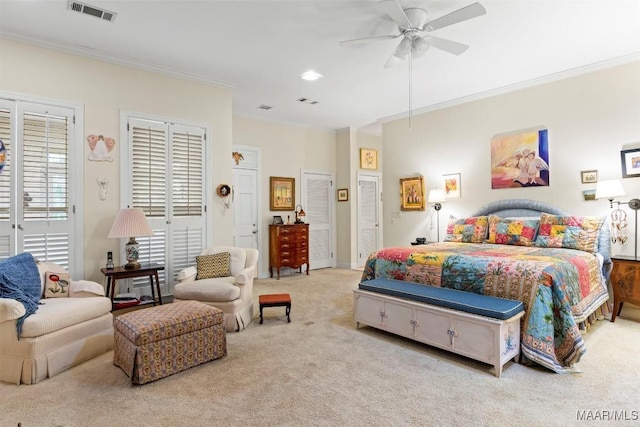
<point>625,282</point>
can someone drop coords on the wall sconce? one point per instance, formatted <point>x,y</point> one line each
<point>300,214</point>
<point>436,196</point>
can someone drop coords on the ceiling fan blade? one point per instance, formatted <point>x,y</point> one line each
<point>395,11</point>
<point>468,12</point>
<point>392,62</point>
<point>449,46</point>
<point>368,39</point>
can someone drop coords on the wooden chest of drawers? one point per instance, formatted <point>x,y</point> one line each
<point>288,247</point>
<point>625,282</point>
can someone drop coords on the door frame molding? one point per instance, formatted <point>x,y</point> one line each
<point>258,168</point>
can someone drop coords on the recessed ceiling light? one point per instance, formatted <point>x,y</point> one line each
<point>310,75</point>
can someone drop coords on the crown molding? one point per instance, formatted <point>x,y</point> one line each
<point>87,52</point>
<point>519,86</point>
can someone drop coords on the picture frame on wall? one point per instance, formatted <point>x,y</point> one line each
<point>343,194</point>
<point>451,185</point>
<point>589,177</point>
<point>368,158</point>
<point>412,194</point>
<point>282,193</point>
<point>630,160</point>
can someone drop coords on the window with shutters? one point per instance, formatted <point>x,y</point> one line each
<point>166,181</point>
<point>36,196</point>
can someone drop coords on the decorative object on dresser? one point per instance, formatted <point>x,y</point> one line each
<point>288,247</point>
<point>625,277</point>
<point>300,214</point>
<point>282,193</point>
<point>131,223</point>
<point>412,194</point>
<point>436,196</point>
<point>610,189</point>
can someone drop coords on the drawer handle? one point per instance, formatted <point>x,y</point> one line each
<point>452,334</point>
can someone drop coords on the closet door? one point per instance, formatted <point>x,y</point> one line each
<point>368,216</point>
<point>318,204</point>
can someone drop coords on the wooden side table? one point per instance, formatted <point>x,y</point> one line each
<point>625,282</point>
<point>151,270</point>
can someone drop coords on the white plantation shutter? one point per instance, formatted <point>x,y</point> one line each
<point>167,181</point>
<point>37,213</point>
<point>6,232</point>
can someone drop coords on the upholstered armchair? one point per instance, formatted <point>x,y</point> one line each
<point>72,323</point>
<point>222,281</point>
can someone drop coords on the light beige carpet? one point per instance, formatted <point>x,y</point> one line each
<point>319,370</point>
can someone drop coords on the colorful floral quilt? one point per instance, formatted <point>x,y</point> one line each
<point>559,287</point>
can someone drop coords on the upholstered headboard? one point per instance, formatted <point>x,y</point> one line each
<point>526,207</point>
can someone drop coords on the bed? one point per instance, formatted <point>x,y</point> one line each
<point>521,249</point>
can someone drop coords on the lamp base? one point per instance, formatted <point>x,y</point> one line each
<point>132,249</point>
<point>132,265</point>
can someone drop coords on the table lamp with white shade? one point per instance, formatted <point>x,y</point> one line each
<point>436,196</point>
<point>131,223</point>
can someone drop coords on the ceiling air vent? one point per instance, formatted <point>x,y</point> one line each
<point>264,107</point>
<point>76,6</point>
<point>307,101</point>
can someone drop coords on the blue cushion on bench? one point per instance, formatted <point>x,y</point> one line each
<point>483,305</point>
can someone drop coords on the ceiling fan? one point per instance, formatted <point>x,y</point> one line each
<point>415,30</point>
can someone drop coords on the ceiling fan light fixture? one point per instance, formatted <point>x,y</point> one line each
<point>310,76</point>
<point>403,48</point>
<point>419,47</point>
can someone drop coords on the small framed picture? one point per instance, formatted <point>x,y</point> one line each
<point>277,220</point>
<point>368,158</point>
<point>451,185</point>
<point>343,194</point>
<point>589,177</point>
<point>412,194</point>
<point>589,194</point>
<point>630,163</point>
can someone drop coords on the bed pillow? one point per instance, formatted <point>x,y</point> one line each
<point>467,230</point>
<point>571,232</point>
<point>216,265</point>
<point>512,231</point>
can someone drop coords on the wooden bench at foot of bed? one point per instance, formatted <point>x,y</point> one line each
<point>480,327</point>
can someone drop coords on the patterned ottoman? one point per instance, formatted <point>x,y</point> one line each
<point>156,342</point>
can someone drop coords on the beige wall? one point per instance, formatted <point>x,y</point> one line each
<point>590,118</point>
<point>287,151</point>
<point>104,90</point>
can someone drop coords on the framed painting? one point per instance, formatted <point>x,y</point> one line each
<point>630,163</point>
<point>282,194</point>
<point>412,194</point>
<point>451,185</point>
<point>368,158</point>
<point>343,194</point>
<point>520,159</point>
<point>589,177</point>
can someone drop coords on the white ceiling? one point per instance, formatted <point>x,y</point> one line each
<point>259,48</point>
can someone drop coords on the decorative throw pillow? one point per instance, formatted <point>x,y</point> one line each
<point>216,265</point>
<point>512,231</point>
<point>467,230</point>
<point>56,285</point>
<point>571,232</point>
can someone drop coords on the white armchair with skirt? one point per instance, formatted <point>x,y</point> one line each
<point>223,278</point>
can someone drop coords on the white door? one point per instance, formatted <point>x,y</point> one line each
<point>245,208</point>
<point>37,200</point>
<point>318,204</point>
<point>368,216</point>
